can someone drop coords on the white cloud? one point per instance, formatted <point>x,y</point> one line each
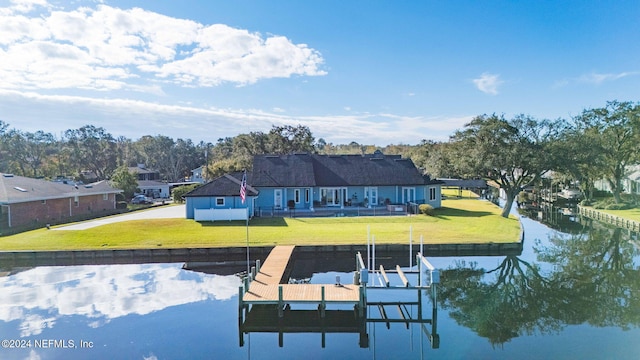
<point>122,117</point>
<point>596,78</point>
<point>488,83</point>
<point>107,48</point>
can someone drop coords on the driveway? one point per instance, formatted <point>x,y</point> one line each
<point>164,212</point>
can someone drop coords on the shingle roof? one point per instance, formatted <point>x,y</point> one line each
<point>225,185</point>
<point>306,170</point>
<point>18,189</point>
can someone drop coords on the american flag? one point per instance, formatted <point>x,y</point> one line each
<point>243,187</point>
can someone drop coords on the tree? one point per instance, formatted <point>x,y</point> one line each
<point>511,153</point>
<point>613,132</point>
<point>92,148</point>
<point>435,158</point>
<point>289,139</point>
<point>124,180</point>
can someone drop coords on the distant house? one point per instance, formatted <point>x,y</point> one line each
<point>28,202</point>
<point>197,175</point>
<point>311,181</point>
<point>143,173</point>
<point>149,182</point>
<point>220,200</point>
<point>154,189</point>
<point>630,183</point>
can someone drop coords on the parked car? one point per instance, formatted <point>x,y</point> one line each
<point>141,199</point>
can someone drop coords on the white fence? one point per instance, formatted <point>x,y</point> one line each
<point>220,214</point>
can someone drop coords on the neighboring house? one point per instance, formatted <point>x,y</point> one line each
<point>143,173</point>
<point>220,200</point>
<point>197,175</point>
<point>154,189</point>
<point>309,181</point>
<point>149,182</point>
<point>26,202</point>
<point>630,184</point>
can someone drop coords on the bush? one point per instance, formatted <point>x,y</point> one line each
<point>121,205</point>
<point>426,209</point>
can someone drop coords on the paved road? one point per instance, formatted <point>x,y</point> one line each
<point>163,212</point>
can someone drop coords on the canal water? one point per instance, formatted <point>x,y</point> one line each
<point>573,293</point>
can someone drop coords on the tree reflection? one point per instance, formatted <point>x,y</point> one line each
<point>508,305</point>
<point>596,274</point>
<point>593,280</point>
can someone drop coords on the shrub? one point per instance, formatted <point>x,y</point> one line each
<point>426,209</point>
<point>121,205</point>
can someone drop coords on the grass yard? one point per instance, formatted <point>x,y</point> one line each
<point>631,214</point>
<point>458,221</point>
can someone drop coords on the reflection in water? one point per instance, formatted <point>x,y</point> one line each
<point>594,279</point>
<point>265,319</point>
<point>38,298</point>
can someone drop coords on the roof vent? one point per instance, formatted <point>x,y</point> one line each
<point>20,189</point>
<point>88,186</point>
<point>7,175</point>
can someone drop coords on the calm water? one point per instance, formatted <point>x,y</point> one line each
<point>570,295</point>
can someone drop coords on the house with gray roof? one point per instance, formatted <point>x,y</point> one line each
<point>308,182</point>
<point>31,203</point>
<point>220,199</point>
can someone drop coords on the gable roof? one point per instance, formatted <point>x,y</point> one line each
<point>307,170</point>
<point>19,189</point>
<point>225,185</point>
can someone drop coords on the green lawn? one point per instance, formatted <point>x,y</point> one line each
<point>458,221</point>
<point>631,214</point>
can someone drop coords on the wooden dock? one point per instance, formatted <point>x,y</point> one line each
<point>270,287</point>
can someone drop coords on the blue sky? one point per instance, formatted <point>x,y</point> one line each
<point>374,72</point>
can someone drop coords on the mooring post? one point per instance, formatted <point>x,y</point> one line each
<point>257,265</point>
<point>240,300</point>
<point>410,246</point>
<point>322,302</point>
<point>419,263</point>
<point>280,302</point>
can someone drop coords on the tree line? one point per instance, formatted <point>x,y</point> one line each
<point>91,153</point>
<point>598,144</point>
<point>513,153</point>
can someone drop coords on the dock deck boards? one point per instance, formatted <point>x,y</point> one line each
<point>272,270</point>
<point>264,288</point>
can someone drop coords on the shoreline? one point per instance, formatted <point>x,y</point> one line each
<point>16,259</point>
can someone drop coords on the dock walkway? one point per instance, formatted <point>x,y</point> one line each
<point>270,287</point>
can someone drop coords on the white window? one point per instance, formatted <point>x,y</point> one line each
<point>296,195</point>
<point>76,201</point>
<point>220,201</point>
<point>105,197</point>
<point>432,194</point>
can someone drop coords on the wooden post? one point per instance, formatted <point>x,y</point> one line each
<point>280,302</point>
<point>322,302</point>
<point>258,266</point>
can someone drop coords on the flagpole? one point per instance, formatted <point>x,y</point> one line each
<point>247,227</point>
<point>243,195</point>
